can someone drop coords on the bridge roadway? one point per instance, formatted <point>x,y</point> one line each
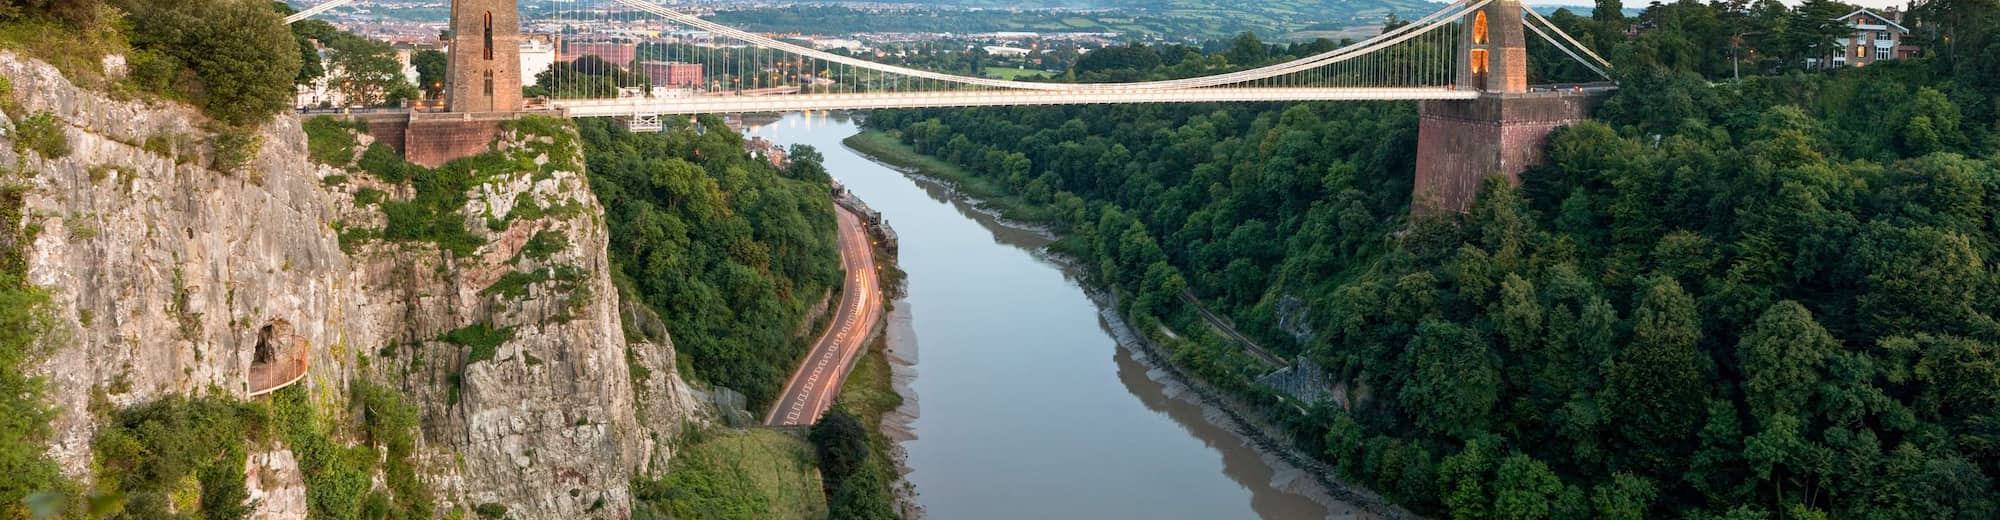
<point>978,98</point>
<point>812,389</point>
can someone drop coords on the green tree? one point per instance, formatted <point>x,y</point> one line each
<point>1625,497</point>
<point>1524,489</point>
<point>1463,479</point>
<point>244,60</point>
<point>430,65</point>
<point>1781,359</point>
<point>1657,384</point>
<point>1454,383</point>
<point>1609,11</point>
<point>365,71</point>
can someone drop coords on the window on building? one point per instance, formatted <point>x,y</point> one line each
<point>489,83</point>
<point>1477,61</point>
<point>489,36</point>
<point>1860,51</point>
<point>1479,28</point>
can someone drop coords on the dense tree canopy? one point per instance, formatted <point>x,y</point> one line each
<point>233,58</point>
<point>1743,299</point>
<point>730,250</point>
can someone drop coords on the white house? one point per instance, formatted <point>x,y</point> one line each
<point>538,53</point>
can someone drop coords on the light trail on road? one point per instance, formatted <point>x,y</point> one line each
<point>813,387</point>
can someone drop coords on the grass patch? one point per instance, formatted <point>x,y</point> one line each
<point>560,147</point>
<point>331,141</point>
<point>868,391</point>
<point>742,474</point>
<point>368,196</point>
<point>79,54</point>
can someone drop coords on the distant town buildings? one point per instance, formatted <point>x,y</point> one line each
<point>620,54</point>
<point>835,43</point>
<point>672,73</point>
<point>1005,51</point>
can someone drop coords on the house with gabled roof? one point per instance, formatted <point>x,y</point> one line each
<point>1874,37</point>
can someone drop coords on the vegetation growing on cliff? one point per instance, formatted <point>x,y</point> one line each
<point>1771,297</point>
<point>176,455</point>
<point>24,416</point>
<point>733,474</point>
<point>339,477</point>
<point>729,250</point>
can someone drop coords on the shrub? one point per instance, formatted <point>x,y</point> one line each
<point>542,245</point>
<point>490,510</point>
<point>515,285</point>
<point>366,196</point>
<point>234,148</point>
<point>331,141</point>
<point>484,340</point>
<point>381,161</point>
<point>42,133</point>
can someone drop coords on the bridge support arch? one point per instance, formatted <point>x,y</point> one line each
<point>1462,142</point>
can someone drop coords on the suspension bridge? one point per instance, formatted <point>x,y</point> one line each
<point>1466,64</point>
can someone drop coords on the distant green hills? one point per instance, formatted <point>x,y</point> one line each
<point>1152,19</point>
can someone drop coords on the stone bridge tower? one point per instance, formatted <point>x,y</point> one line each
<point>485,63</point>
<point>1461,142</point>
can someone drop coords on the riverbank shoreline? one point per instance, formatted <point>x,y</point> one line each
<point>1225,411</point>
<point>877,385</point>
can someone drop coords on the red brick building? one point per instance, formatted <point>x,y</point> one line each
<point>672,73</point>
<point>620,54</point>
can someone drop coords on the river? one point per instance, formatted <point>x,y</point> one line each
<point>1028,408</point>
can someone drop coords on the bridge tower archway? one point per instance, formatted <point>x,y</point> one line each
<point>483,68</point>
<point>1500,133</point>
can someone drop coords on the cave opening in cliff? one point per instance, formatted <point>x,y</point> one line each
<point>277,359</point>
<point>265,352</point>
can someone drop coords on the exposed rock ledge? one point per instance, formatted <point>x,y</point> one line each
<point>163,271</point>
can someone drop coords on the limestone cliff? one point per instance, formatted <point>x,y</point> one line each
<point>167,275</point>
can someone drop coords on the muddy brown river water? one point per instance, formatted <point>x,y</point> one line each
<point>1024,405</point>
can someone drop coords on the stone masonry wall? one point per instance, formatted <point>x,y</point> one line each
<point>1460,143</point>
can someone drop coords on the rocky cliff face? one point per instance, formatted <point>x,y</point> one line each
<point>167,274</point>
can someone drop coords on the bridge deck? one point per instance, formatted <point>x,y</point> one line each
<point>977,98</point>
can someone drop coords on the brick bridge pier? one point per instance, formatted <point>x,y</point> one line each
<point>1462,142</point>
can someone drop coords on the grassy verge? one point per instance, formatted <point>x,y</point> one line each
<point>869,391</point>
<point>885,147</point>
<point>749,474</point>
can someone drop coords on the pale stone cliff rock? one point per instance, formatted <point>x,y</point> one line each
<point>164,273</point>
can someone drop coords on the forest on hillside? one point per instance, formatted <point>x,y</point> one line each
<point>728,249</point>
<point>1765,298</point>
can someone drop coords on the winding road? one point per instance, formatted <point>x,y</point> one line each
<point>812,388</point>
